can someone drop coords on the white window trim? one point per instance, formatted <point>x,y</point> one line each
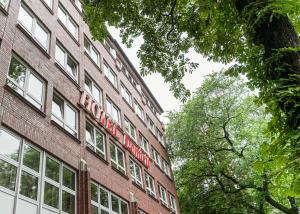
<point>116,162</point>
<point>115,83</point>
<point>163,192</point>
<point>89,51</point>
<point>5,7</point>
<point>116,107</point>
<point>150,179</point>
<point>147,150</point>
<point>172,203</point>
<point>94,84</point>
<point>65,104</point>
<point>129,131</point>
<point>31,31</point>
<point>26,83</point>
<point>138,108</point>
<point>124,91</point>
<point>69,19</point>
<point>134,177</point>
<point>93,144</point>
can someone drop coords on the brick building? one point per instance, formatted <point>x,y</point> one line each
<point>80,130</point>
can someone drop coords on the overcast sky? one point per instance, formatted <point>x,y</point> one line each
<point>156,83</point>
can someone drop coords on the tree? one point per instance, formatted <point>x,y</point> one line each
<point>218,143</point>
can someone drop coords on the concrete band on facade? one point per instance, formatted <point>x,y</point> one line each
<point>57,154</point>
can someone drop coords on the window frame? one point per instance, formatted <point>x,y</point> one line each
<point>35,21</point>
<point>149,121</point>
<point>91,47</point>
<point>69,19</point>
<point>40,175</point>
<point>115,163</point>
<point>138,108</point>
<point>134,177</point>
<point>143,139</point>
<point>131,128</point>
<point>25,88</point>
<point>94,84</point>
<point>95,148</point>
<point>150,179</point>
<point>66,55</point>
<point>156,158</point>
<point>172,203</point>
<point>114,106</point>
<point>125,92</point>
<point>108,69</point>
<point>164,200</point>
<point>63,120</point>
<point>5,7</point>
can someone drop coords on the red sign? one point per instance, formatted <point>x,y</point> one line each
<point>98,113</point>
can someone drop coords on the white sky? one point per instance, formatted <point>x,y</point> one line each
<point>155,82</point>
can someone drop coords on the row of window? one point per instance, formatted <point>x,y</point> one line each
<point>29,85</point>
<point>70,65</point>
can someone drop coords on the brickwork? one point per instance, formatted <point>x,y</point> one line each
<point>20,116</point>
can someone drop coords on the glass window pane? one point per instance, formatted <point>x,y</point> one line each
<point>31,158</point>
<point>104,198</point>
<point>88,85</point>
<point>25,18</point>
<point>41,35</point>
<point>120,158</point>
<point>70,117</point>
<point>62,16</point>
<point>72,27</point>
<point>99,141</point>
<point>94,56</point>
<point>57,107</point>
<point>4,4</point>
<point>51,195</point>
<point>60,55</point>
<point>115,203</point>
<point>49,3</point>
<point>35,88</point>
<point>96,94</point>
<point>87,44</point>
<point>17,72</point>
<point>104,212</point>
<point>71,67</point>
<point>113,152</point>
<point>68,178</point>
<point>68,202</point>
<point>52,169</point>
<point>94,192</point>
<point>29,185</point>
<point>89,136</point>
<point>124,208</point>
<point>8,174</point>
<point>9,145</point>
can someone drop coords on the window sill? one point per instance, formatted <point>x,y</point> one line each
<point>67,75</point>
<point>76,8</point>
<point>65,131</point>
<point>128,104</point>
<point>114,87</point>
<point>95,154</point>
<point>47,6</point>
<point>139,187</point>
<point>68,32</point>
<point>21,28</point>
<point>90,58</point>
<point>25,101</point>
<point>165,206</point>
<point>153,197</point>
<point>4,11</point>
<point>119,172</point>
<point>143,122</point>
<point>153,135</point>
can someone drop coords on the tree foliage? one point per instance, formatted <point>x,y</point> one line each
<point>221,150</point>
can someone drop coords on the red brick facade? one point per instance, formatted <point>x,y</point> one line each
<point>36,126</point>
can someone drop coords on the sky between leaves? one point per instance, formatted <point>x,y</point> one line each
<point>156,83</point>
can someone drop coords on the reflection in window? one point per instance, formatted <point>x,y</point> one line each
<point>25,82</point>
<point>67,21</point>
<point>95,139</point>
<point>91,87</point>
<point>117,158</point>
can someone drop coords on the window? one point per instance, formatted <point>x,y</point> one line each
<point>166,167</point>
<point>126,94</point>
<point>67,21</point>
<point>150,184</point>
<point>117,158</point>
<point>139,111</point>
<point>64,114</point>
<point>159,136</point>
<point>91,50</point>
<point>66,61</point>
<point>163,195</point>
<point>78,4</point>
<point>172,203</point>
<point>144,144</point>
<point>25,82</point>
<point>91,87</point>
<point>151,125</point>
<point>35,167</point>
<point>34,27</point>
<point>4,4</point>
<point>155,157</point>
<point>113,111</point>
<point>110,75</point>
<point>136,173</point>
<point>105,202</point>
<point>49,3</point>
<point>95,139</point>
<point>130,129</point>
